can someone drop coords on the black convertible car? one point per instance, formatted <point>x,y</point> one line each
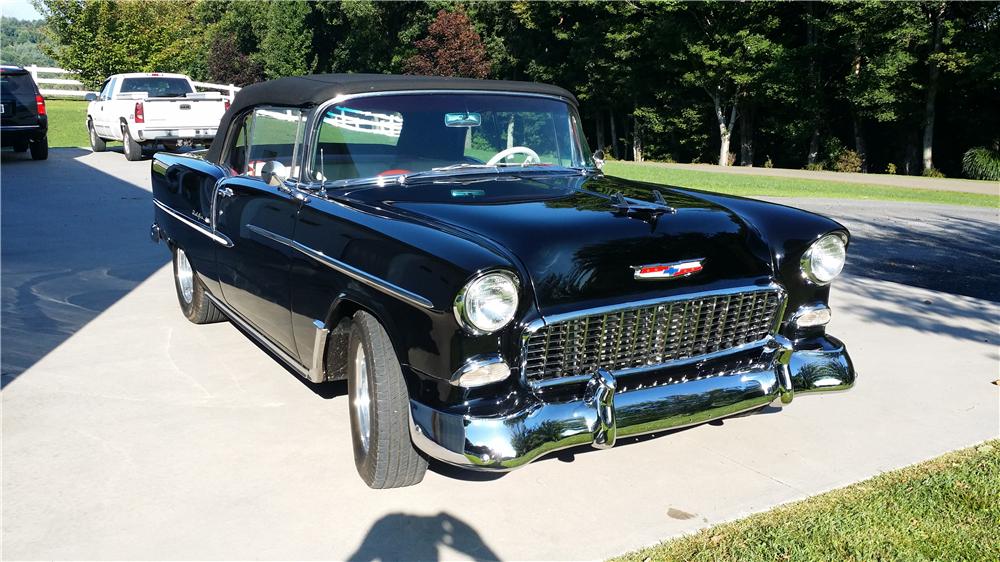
<point>452,249</point>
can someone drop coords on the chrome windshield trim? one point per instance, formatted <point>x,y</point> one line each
<point>376,283</point>
<point>312,130</point>
<point>201,228</point>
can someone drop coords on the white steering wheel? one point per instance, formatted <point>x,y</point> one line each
<point>530,156</point>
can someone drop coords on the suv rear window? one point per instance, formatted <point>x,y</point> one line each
<point>157,86</point>
<point>17,83</point>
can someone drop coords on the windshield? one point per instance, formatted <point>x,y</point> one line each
<point>157,86</point>
<point>404,134</point>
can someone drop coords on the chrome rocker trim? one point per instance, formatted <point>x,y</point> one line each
<point>376,283</point>
<point>604,415</point>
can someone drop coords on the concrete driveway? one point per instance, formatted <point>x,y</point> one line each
<point>129,433</point>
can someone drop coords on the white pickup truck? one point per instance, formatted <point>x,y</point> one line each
<point>143,109</point>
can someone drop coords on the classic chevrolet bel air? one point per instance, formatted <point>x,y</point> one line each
<point>451,248</point>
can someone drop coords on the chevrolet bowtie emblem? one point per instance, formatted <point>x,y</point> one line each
<point>668,270</point>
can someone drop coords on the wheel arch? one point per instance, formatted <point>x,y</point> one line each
<point>332,351</point>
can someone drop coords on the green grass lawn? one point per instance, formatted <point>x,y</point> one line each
<point>747,185</point>
<point>67,123</point>
<point>944,509</point>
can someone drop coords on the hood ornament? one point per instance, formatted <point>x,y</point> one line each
<point>673,270</point>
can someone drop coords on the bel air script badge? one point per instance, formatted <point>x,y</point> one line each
<point>668,270</point>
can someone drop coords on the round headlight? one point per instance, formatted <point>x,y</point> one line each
<point>487,303</point>
<point>824,260</point>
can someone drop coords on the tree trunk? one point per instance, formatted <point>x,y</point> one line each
<point>510,132</point>
<point>746,135</point>
<point>628,133</point>
<point>614,135</point>
<point>813,156</point>
<point>859,137</point>
<point>859,144</point>
<point>637,140</point>
<point>600,132</point>
<point>934,73</point>
<point>725,128</point>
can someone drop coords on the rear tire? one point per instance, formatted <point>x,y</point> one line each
<point>133,150</point>
<point>39,149</point>
<point>191,293</point>
<point>379,409</point>
<point>97,144</point>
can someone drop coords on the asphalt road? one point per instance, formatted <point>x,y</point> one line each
<point>129,433</point>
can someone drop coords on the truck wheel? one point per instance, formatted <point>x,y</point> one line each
<point>97,144</point>
<point>39,149</point>
<point>170,146</point>
<point>191,292</point>
<point>379,409</point>
<point>133,150</point>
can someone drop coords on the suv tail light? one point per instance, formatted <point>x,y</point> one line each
<point>40,104</point>
<point>140,117</point>
<point>227,105</point>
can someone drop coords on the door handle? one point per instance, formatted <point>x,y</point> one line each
<point>225,192</point>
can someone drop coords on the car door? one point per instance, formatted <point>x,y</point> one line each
<point>102,109</point>
<point>255,208</point>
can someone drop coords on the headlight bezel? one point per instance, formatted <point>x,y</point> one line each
<point>806,262</point>
<point>461,308</point>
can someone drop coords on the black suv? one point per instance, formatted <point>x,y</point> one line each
<point>23,122</point>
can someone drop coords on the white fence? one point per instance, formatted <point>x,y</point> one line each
<point>80,93</point>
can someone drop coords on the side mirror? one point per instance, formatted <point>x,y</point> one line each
<point>90,96</point>
<point>598,158</point>
<point>274,172</point>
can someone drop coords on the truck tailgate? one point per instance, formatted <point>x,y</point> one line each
<point>179,113</point>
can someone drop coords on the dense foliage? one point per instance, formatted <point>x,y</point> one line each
<point>19,42</point>
<point>862,85</point>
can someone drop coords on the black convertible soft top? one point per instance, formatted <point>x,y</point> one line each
<point>304,91</point>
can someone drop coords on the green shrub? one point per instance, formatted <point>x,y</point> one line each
<point>890,169</point>
<point>768,163</point>
<point>815,167</point>
<point>981,163</point>
<point>933,173</point>
<point>848,161</point>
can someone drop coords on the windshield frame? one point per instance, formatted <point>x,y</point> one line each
<point>306,163</point>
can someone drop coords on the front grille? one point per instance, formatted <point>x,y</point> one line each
<point>650,335</point>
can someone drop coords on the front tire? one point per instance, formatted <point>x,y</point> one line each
<point>133,150</point>
<point>97,144</point>
<point>379,408</point>
<point>191,293</point>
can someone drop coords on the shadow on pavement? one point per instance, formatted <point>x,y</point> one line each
<point>418,538</point>
<point>74,241</point>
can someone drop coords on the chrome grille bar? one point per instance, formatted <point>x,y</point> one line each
<point>650,334</point>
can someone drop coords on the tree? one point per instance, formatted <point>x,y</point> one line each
<point>286,45</point>
<point>97,39</point>
<point>729,52</point>
<point>451,48</point>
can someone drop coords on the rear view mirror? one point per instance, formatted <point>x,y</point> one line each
<point>463,119</point>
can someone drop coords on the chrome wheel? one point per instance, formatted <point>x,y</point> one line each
<point>185,277</point>
<point>361,398</point>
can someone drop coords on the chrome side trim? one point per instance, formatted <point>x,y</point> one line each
<point>376,283</point>
<point>260,338</point>
<point>201,228</point>
<point>316,372</point>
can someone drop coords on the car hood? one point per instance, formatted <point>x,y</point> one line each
<point>578,248</point>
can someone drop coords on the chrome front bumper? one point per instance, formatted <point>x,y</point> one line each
<point>604,413</point>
